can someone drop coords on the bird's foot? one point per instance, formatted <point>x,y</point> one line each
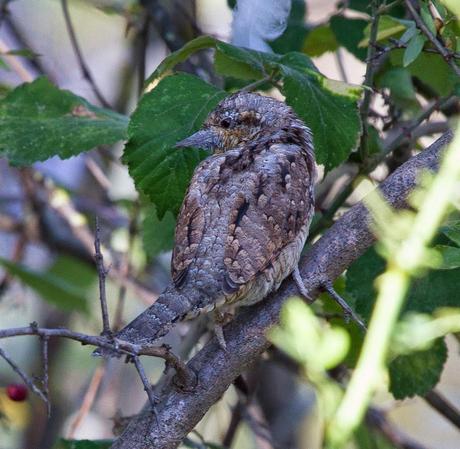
<point>328,287</point>
<point>348,312</point>
<point>220,320</point>
<point>300,285</point>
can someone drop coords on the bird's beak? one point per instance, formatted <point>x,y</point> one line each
<point>204,138</point>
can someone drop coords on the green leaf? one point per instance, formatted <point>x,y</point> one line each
<point>399,81</point>
<point>38,121</point>
<point>452,231</point>
<point>320,40</point>
<point>200,43</point>
<point>158,235</point>
<point>431,69</point>
<point>365,6</point>
<point>24,52</point>
<point>402,90</point>
<point>428,18</point>
<point>349,33</point>
<point>328,107</point>
<point>419,372</point>
<point>301,336</point>
<point>241,63</point>
<point>365,437</point>
<point>436,289</point>
<point>442,10</point>
<point>64,285</point>
<point>450,257</point>
<point>293,37</point>
<point>388,27</point>
<point>360,5</point>
<point>172,111</point>
<point>323,104</point>
<point>413,49</point>
<point>83,444</point>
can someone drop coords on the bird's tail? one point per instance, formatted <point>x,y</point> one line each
<point>170,308</point>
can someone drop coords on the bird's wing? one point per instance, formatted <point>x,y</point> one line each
<point>189,232</point>
<point>269,216</point>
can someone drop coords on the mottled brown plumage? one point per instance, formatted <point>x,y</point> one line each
<point>245,216</point>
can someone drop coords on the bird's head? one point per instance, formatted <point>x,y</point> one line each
<point>239,118</point>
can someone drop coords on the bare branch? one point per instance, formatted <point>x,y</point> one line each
<point>147,385</point>
<point>440,403</point>
<point>81,60</point>
<point>45,379</point>
<point>368,81</point>
<point>185,377</point>
<point>102,273</point>
<point>179,411</point>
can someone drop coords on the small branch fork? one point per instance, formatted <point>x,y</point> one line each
<point>185,375</point>
<point>185,378</point>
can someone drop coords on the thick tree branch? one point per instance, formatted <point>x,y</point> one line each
<point>179,411</point>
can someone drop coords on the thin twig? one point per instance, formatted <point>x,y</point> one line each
<point>368,82</point>
<point>440,403</point>
<point>27,380</point>
<point>81,60</point>
<point>407,130</point>
<point>380,51</point>
<point>102,273</point>
<point>147,385</point>
<point>114,346</point>
<point>443,51</point>
<point>45,379</point>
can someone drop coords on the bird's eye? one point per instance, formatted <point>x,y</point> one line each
<point>225,123</point>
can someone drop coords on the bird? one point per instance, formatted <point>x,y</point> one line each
<point>245,217</point>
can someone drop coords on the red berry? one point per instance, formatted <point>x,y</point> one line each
<point>17,392</point>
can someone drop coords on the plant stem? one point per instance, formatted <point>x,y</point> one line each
<point>368,81</point>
